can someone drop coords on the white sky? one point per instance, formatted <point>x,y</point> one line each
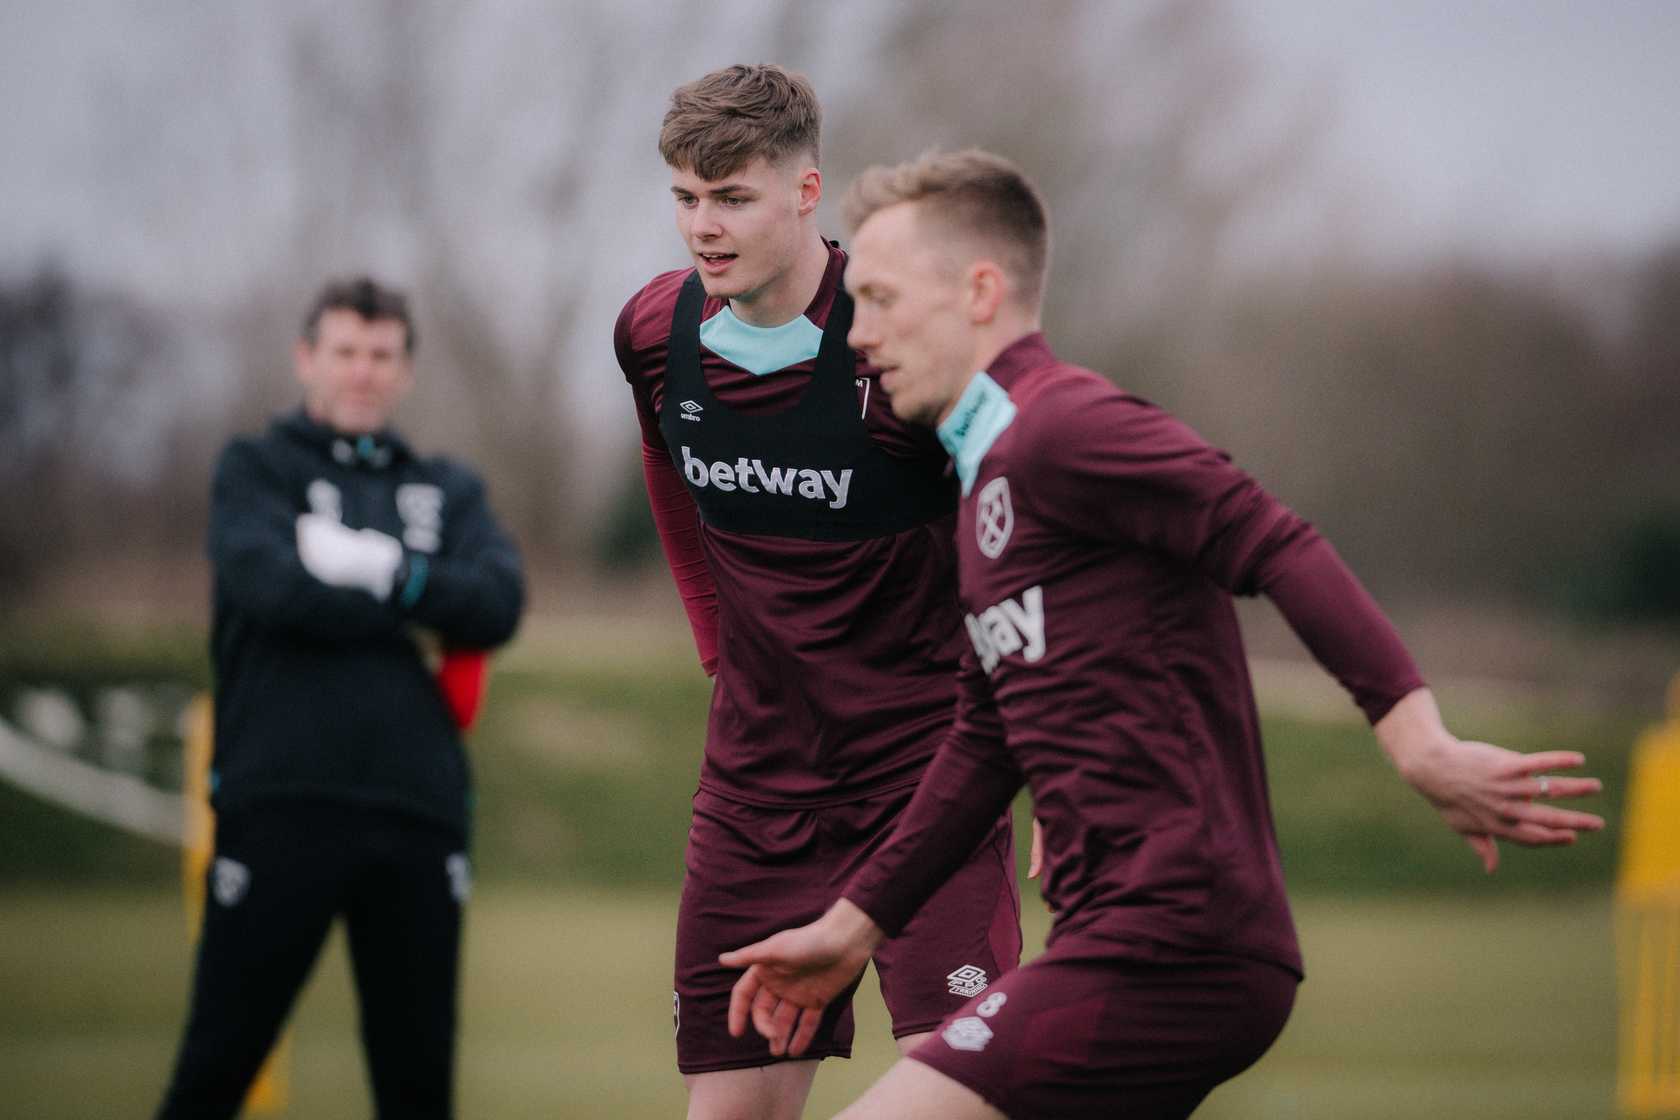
<point>1510,126</point>
<point>1514,127</point>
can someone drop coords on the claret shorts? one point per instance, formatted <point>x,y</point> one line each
<point>754,871</point>
<point>1085,1032</point>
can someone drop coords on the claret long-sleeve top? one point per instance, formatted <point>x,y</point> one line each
<point>823,602</point>
<point>1100,542</point>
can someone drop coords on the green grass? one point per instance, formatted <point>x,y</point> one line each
<point>1434,991</point>
<point>588,751</point>
<point>1414,1007</point>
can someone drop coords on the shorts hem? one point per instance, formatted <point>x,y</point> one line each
<point>929,1027</point>
<point>725,1064</point>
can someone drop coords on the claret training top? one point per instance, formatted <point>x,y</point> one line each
<point>1100,541</point>
<point>809,532</point>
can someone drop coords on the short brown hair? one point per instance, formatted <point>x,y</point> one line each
<point>365,296</point>
<point>973,194</point>
<point>718,124</point>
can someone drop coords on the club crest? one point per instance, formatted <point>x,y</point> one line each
<point>420,505</point>
<point>229,880</point>
<point>994,518</point>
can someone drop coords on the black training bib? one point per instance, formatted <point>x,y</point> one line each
<point>810,471</point>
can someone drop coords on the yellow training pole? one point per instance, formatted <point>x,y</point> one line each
<point>1648,923</point>
<point>269,1093</point>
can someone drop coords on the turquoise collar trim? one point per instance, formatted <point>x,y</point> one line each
<point>981,414</point>
<point>761,350</point>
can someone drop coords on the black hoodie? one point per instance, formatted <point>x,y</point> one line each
<point>322,692</point>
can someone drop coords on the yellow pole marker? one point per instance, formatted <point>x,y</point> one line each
<point>270,1092</point>
<point>1648,923</point>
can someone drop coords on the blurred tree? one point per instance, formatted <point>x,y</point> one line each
<point>73,367</point>
<point>1138,121</point>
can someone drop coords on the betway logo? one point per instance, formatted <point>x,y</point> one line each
<point>754,477</point>
<point>1010,626</point>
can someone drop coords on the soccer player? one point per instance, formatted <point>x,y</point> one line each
<point>338,777</point>
<point>1099,544</point>
<point>810,535</point>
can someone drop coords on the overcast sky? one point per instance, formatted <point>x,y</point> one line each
<point>1513,126</point>
<point>1507,126</point>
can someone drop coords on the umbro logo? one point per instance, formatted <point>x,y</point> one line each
<point>691,411</point>
<point>967,981</point>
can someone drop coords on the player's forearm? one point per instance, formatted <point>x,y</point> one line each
<point>1341,624</point>
<point>959,800</point>
<point>678,525</point>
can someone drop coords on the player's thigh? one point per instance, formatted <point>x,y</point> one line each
<point>750,872</point>
<point>1082,1032</point>
<point>772,1092</point>
<point>961,940</point>
<point>913,1091</point>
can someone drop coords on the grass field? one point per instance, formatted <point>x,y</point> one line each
<point>1433,991</point>
<point>1501,1008</point>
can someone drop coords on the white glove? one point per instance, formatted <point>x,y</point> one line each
<point>340,556</point>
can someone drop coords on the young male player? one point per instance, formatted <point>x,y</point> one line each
<point>809,531</point>
<point>1099,543</point>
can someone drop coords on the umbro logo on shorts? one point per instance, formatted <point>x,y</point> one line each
<point>968,1033</point>
<point>967,981</point>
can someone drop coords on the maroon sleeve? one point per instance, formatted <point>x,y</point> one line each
<point>1132,472</point>
<point>1341,624</point>
<point>970,781</point>
<point>678,523</point>
<point>674,515</point>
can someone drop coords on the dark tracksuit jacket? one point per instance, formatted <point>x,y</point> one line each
<point>322,692</point>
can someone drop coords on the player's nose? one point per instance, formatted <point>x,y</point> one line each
<point>704,222</point>
<point>861,336</point>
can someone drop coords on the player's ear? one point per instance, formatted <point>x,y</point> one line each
<point>810,191</point>
<point>985,290</point>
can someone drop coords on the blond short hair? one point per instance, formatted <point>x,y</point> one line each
<point>974,195</point>
<point>718,124</point>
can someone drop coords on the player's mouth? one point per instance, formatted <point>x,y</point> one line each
<point>714,264</point>
<point>888,378</point>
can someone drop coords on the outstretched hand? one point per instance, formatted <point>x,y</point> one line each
<point>1486,793</point>
<point>793,976</point>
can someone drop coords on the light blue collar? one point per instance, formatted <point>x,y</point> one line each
<point>761,350</point>
<point>982,413</point>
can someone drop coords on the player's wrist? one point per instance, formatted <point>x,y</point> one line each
<point>851,926</point>
<point>1412,732</point>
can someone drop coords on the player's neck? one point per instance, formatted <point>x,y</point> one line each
<point>787,298</point>
<point>1005,330</point>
